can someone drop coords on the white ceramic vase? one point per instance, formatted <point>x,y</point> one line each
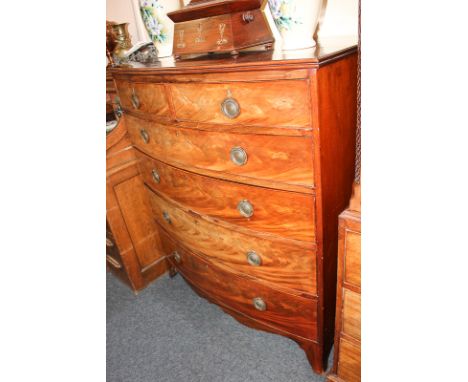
<point>296,21</point>
<point>159,27</point>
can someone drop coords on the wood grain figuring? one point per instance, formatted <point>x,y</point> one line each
<point>286,312</point>
<point>136,210</point>
<point>334,50</point>
<point>297,125</point>
<point>352,267</point>
<point>334,113</point>
<point>288,160</point>
<point>274,103</point>
<point>203,8</point>
<point>282,213</point>
<point>349,364</point>
<point>312,349</point>
<point>283,264</point>
<point>346,361</point>
<point>352,314</point>
<point>227,32</point>
<point>152,98</point>
<point>130,224</point>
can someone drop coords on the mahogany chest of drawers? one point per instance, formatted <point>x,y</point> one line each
<point>247,163</point>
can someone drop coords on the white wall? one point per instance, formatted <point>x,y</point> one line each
<point>127,11</point>
<point>340,18</point>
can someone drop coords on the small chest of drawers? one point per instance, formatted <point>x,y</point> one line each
<point>247,163</point>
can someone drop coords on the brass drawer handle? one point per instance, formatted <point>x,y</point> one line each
<point>238,156</point>
<point>167,217</point>
<point>135,100</point>
<point>254,259</point>
<point>230,108</point>
<point>109,242</point>
<point>177,257</point>
<point>155,175</point>
<point>245,208</point>
<point>259,304</point>
<point>144,135</point>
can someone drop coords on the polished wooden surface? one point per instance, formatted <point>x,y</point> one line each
<point>285,263</point>
<point>347,357</point>
<point>220,26</point>
<point>272,103</point>
<point>152,98</point>
<point>322,54</point>
<point>292,314</point>
<point>136,251</point>
<point>304,156</point>
<point>270,160</point>
<point>286,214</point>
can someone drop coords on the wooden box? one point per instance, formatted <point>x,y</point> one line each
<point>220,26</point>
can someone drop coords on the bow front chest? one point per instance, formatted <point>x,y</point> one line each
<point>247,163</point>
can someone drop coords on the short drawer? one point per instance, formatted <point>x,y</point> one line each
<point>269,158</point>
<point>349,361</point>
<point>144,98</point>
<point>352,258</point>
<point>351,314</point>
<point>269,103</point>
<point>292,314</point>
<point>283,213</point>
<point>279,262</point>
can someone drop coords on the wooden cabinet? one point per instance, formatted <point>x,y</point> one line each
<point>133,249</point>
<point>347,359</point>
<point>247,163</point>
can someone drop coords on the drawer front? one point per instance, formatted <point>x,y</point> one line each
<point>145,98</point>
<point>292,314</point>
<point>274,261</point>
<point>352,258</point>
<point>287,214</point>
<point>352,314</point>
<point>349,361</point>
<point>270,103</point>
<point>271,158</point>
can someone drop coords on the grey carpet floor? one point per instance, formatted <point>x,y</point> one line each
<point>167,333</point>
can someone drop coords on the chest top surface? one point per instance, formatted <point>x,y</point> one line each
<point>322,54</point>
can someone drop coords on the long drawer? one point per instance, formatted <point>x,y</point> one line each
<point>269,103</point>
<point>282,213</point>
<point>292,314</point>
<point>283,159</point>
<point>279,262</point>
